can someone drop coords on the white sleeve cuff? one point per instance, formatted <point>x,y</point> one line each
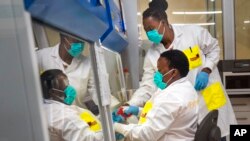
<point>134,102</point>
<point>209,64</point>
<point>120,128</point>
<point>124,129</point>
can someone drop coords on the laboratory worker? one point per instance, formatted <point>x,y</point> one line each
<point>67,56</point>
<point>66,122</point>
<point>171,114</point>
<point>203,54</point>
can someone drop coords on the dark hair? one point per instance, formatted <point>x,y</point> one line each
<point>157,10</point>
<point>178,60</point>
<point>49,80</point>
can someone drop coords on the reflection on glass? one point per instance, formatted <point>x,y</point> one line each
<point>69,80</point>
<point>242,23</point>
<point>116,77</point>
<point>205,13</point>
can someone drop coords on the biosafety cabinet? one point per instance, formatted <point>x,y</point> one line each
<point>25,27</point>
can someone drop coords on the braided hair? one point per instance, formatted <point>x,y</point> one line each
<point>157,10</point>
<point>49,79</point>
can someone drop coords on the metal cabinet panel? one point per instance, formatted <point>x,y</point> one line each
<point>241,104</point>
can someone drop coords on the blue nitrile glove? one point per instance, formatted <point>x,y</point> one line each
<point>118,136</point>
<point>201,81</point>
<point>117,118</point>
<point>134,110</point>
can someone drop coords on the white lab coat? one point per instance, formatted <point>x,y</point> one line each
<point>64,123</point>
<point>185,37</point>
<point>173,117</point>
<point>78,72</point>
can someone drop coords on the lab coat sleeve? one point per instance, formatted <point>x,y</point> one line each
<point>78,130</point>
<point>159,119</point>
<point>147,86</point>
<point>210,48</point>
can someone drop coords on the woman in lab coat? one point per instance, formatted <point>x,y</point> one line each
<point>66,122</point>
<point>67,56</point>
<point>202,51</point>
<point>171,114</point>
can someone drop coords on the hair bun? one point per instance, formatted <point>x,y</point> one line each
<point>159,5</point>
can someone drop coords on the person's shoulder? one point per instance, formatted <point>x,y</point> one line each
<point>84,59</point>
<point>182,86</point>
<point>167,96</point>
<point>194,30</point>
<point>189,28</point>
<point>47,50</point>
<point>184,82</point>
<point>43,50</point>
<point>155,48</point>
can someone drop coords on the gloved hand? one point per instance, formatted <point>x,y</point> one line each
<point>116,117</point>
<point>118,136</point>
<point>201,81</point>
<point>134,110</point>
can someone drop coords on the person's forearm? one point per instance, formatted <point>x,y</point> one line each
<point>207,70</point>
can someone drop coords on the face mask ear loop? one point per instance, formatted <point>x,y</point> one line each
<point>168,72</point>
<point>171,77</point>
<point>159,26</point>
<point>57,90</point>
<point>55,84</point>
<point>67,41</point>
<point>65,45</point>
<point>164,31</point>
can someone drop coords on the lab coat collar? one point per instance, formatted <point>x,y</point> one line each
<point>50,101</point>
<point>171,85</point>
<point>177,31</point>
<point>177,34</point>
<point>74,63</point>
<point>55,51</point>
<point>179,81</point>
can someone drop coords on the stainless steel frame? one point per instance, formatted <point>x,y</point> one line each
<point>105,112</point>
<point>228,29</point>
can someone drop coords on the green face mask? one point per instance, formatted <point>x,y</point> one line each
<point>75,48</point>
<point>158,79</point>
<point>155,36</point>
<point>70,95</point>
